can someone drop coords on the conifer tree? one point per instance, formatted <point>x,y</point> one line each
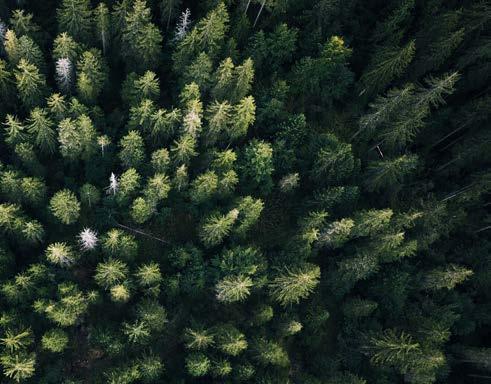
<point>216,227</point>
<point>91,75</point>
<point>141,38</point>
<point>30,83</point>
<point>386,173</point>
<point>132,151</point>
<point>65,206</point>
<point>295,283</point>
<point>233,288</point>
<point>75,18</point>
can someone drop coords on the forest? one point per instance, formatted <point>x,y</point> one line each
<point>245,191</point>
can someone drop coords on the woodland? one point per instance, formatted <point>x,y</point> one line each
<point>245,191</point>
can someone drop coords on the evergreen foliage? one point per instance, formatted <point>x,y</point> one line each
<point>245,191</point>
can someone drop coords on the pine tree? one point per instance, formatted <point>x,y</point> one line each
<point>207,36</point>
<point>258,165</point>
<point>198,364</point>
<point>386,173</point>
<point>268,352</point>
<point>75,18</point>
<point>446,277</point>
<point>141,38</point>
<point>216,227</point>
<point>30,83</point>
<point>387,64</point>
<point>18,367</point>
<point>391,348</point>
<point>64,47</point>
<point>204,187</point>
<point>40,126</point>
<point>230,340</point>
<point>91,75</point>
<point>116,243</point>
<point>13,341</point>
<point>55,340</point>
<point>132,152</point>
<point>61,254</point>
<point>65,206</point>
<point>110,273</point>
<point>293,284</point>
<point>244,117</point>
<point>102,24</point>
<point>233,288</point>
<point>198,339</point>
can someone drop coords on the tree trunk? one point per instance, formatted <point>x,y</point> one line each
<point>259,13</point>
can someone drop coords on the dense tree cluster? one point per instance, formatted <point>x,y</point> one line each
<point>245,191</point>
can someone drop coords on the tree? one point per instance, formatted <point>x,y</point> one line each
<point>40,126</point>
<point>61,254</point>
<point>111,273</point>
<point>141,38</point>
<point>69,306</point>
<point>64,74</point>
<point>386,173</point>
<point>168,11</point>
<point>244,117</point>
<point>216,227</point>
<point>257,166</point>
<point>116,243</point>
<point>14,341</point>
<point>30,83</point>
<point>137,89</point>
<point>230,340</point>
<point>18,367</point>
<point>207,36</point>
<point>75,18</point>
<point>268,352</point>
<point>295,283</point>
<point>132,152</point>
<point>446,277</point>
<point>22,23</point>
<point>142,209</point>
<point>198,339</point>
<point>87,239</point>
<point>391,348</point>
<point>204,187</point>
<point>387,64</point>
<point>55,340</point>
<point>65,206</point>
<point>197,364</point>
<point>102,24</point>
<point>23,47</point>
<point>77,138</point>
<point>249,212</point>
<point>233,288</point>
<point>64,47</point>
<point>91,75</point>
<point>326,78</point>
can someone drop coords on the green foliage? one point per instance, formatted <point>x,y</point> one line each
<point>91,75</point>
<point>140,37</point>
<point>132,152</point>
<point>216,227</point>
<point>55,340</point>
<point>276,192</point>
<point>258,165</point>
<point>197,364</point>
<point>30,83</point>
<point>18,367</point>
<point>75,18</point>
<point>65,206</point>
<point>293,284</point>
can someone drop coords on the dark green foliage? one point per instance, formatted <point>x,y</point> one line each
<point>253,191</point>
